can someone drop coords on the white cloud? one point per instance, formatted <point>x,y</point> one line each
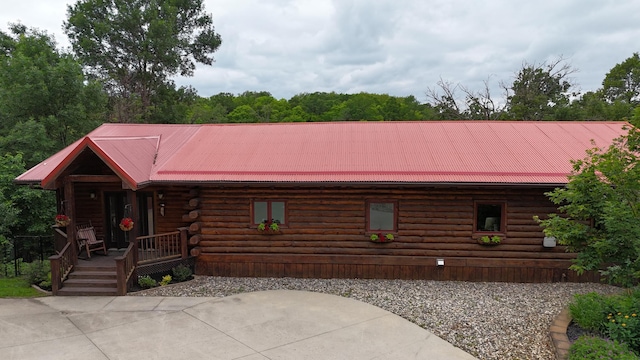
<point>386,46</point>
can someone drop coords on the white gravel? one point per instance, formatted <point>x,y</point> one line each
<point>488,320</point>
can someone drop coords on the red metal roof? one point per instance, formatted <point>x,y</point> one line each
<point>396,152</point>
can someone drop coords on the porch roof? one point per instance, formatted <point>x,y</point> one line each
<point>508,152</point>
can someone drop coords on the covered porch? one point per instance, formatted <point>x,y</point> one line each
<point>74,272</point>
<point>139,224</point>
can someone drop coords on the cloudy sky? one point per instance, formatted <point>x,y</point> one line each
<point>397,47</point>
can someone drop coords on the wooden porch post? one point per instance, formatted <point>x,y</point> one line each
<point>184,234</point>
<point>55,274</point>
<point>132,199</point>
<point>69,205</point>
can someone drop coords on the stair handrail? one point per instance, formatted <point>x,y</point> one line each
<point>61,265</point>
<point>126,268</point>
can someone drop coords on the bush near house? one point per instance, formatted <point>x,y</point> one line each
<point>614,317</point>
<point>594,348</point>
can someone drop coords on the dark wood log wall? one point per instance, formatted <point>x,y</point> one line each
<point>92,210</point>
<point>326,237</point>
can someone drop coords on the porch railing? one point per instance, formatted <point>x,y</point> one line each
<point>147,250</point>
<point>142,251</point>
<point>159,247</point>
<point>61,265</point>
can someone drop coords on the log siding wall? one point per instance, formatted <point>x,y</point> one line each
<point>326,236</point>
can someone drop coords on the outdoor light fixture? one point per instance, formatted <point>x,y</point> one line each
<point>92,194</point>
<point>160,195</point>
<point>549,242</point>
<point>440,262</point>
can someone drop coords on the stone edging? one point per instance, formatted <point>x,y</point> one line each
<point>47,292</point>
<point>558,334</point>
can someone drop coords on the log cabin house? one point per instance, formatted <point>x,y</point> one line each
<point>429,191</point>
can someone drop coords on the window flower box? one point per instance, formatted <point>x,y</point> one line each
<point>489,240</point>
<point>380,238</point>
<point>268,228</point>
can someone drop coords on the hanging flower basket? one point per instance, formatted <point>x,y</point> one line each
<point>126,224</point>
<point>62,220</point>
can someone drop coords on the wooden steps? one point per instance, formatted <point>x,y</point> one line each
<point>91,280</point>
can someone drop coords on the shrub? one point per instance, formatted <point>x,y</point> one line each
<point>589,311</point>
<point>181,273</point>
<point>146,282</point>
<point>625,327</point>
<point>616,317</point>
<point>37,271</point>
<point>165,280</point>
<point>594,348</point>
<point>46,284</point>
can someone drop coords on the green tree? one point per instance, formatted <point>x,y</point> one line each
<point>29,138</point>
<point>243,114</point>
<point>601,207</point>
<point>268,109</point>
<point>621,89</point>
<point>539,90</point>
<point>444,101</point>
<point>319,105</point>
<point>297,114</point>
<point>44,91</point>
<point>171,105</point>
<point>363,106</point>
<point>224,100</point>
<point>135,46</point>
<point>24,211</point>
<point>205,111</point>
<point>622,82</point>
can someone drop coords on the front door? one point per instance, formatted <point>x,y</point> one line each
<point>115,210</point>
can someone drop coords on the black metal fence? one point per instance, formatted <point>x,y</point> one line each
<point>24,249</point>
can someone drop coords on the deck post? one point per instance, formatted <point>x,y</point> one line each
<point>69,206</point>
<point>184,234</point>
<point>120,276</point>
<point>55,274</point>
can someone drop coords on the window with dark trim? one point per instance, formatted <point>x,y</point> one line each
<point>269,211</point>
<point>381,215</point>
<point>489,217</point>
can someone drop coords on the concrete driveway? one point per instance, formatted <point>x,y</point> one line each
<point>252,326</point>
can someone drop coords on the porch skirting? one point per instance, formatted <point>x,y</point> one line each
<point>389,267</point>
<point>163,267</point>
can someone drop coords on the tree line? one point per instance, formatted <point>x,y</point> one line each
<point>125,53</point>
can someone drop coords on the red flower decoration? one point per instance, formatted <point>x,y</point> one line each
<point>62,220</point>
<point>126,224</point>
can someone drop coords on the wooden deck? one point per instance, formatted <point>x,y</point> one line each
<point>98,259</point>
<point>74,273</point>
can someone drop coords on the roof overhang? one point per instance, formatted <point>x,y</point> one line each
<point>49,181</point>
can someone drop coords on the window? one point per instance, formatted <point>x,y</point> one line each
<point>269,212</point>
<point>489,217</point>
<point>381,216</point>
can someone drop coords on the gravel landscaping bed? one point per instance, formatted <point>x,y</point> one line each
<point>488,320</point>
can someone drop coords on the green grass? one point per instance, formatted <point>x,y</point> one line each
<point>17,287</point>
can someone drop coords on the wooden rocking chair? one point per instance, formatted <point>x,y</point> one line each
<point>87,239</point>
